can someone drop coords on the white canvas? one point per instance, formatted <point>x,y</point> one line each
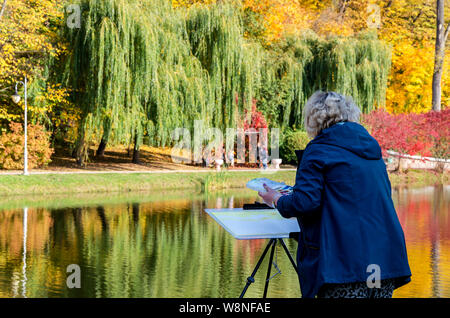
<point>254,224</point>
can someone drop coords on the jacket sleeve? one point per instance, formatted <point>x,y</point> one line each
<point>307,192</point>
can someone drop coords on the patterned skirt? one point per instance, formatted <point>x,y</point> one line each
<point>357,290</point>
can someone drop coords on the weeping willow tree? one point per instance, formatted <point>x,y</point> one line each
<point>233,63</point>
<point>143,68</point>
<point>133,72</point>
<point>281,96</point>
<point>99,70</point>
<point>354,66</point>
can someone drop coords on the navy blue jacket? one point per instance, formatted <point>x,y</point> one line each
<point>342,200</point>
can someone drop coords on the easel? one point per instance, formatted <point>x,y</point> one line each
<point>251,279</point>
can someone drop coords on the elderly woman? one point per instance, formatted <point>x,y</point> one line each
<point>351,242</point>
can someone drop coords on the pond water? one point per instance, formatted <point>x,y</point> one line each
<point>164,245</point>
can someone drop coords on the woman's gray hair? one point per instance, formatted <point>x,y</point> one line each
<point>324,109</point>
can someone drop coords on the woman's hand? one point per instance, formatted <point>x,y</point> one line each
<point>270,197</point>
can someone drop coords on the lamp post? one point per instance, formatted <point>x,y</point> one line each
<point>16,99</point>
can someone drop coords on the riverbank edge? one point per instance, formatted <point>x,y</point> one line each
<point>45,184</point>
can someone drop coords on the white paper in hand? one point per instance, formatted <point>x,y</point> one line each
<point>258,185</point>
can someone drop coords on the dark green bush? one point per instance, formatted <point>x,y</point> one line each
<point>292,140</point>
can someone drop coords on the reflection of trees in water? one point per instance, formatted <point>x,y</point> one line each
<point>135,212</point>
<point>434,238</point>
<point>425,220</point>
<point>76,213</point>
<point>101,215</point>
<point>173,249</point>
<point>138,250</point>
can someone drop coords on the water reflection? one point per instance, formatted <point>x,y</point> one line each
<point>171,248</point>
<point>424,214</point>
<point>24,259</point>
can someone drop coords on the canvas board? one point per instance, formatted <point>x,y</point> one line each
<point>254,224</point>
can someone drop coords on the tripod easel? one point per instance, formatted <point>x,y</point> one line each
<point>251,279</point>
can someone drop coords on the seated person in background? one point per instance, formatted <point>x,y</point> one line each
<point>351,242</point>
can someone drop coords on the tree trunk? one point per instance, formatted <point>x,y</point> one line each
<point>101,148</point>
<point>81,151</point>
<point>80,157</point>
<point>105,138</point>
<point>2,10</point>
<point>136,159</point>
<point>439,54</point>
<point>136,151</point>
<point>129,147</point>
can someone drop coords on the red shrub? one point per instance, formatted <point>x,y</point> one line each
<point>257,119</point>
<point>252,123</point>
<point>414,134</point>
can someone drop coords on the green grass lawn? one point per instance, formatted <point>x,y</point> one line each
<point>111,182</point>
<point>13,185</point>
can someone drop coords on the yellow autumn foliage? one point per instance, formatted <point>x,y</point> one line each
<point>281,17</point>
<point>409,87</point>
<point>28,35</point>
<point>408,25</point>
<point>410,81</point>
